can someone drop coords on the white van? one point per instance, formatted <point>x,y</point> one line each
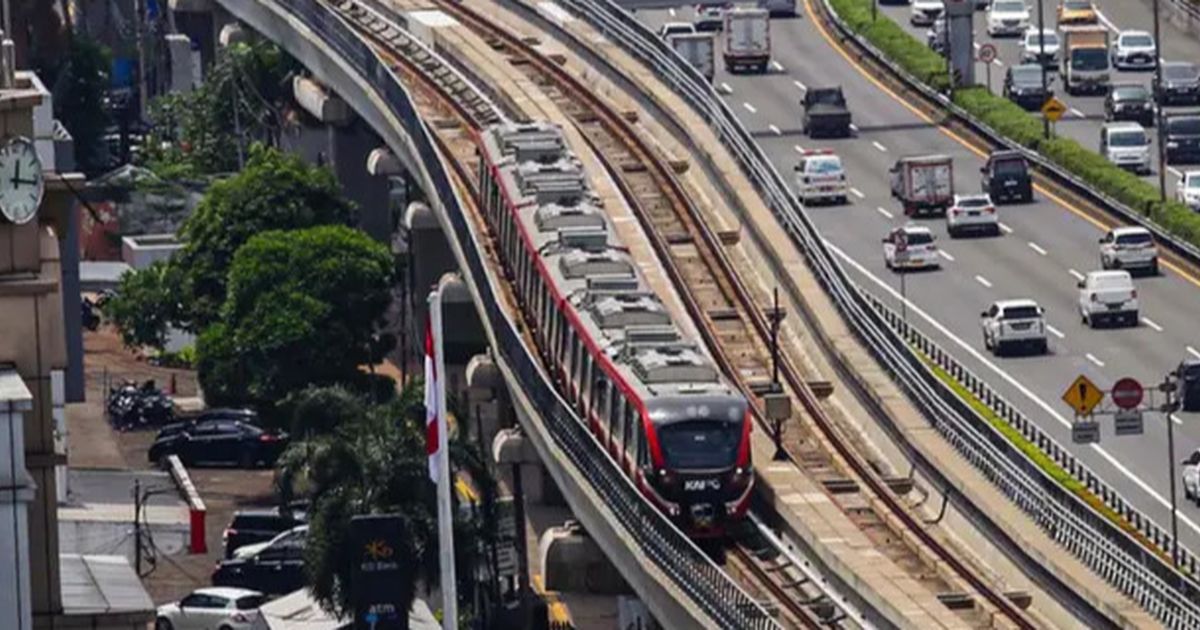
<point>1108,296</point>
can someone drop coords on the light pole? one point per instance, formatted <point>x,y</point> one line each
<point>874,10</point>
<point>1170,388</point>
<point>1042,61</point>
<point>1158,114</point>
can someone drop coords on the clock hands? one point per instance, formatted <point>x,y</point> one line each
<point>17,180</point>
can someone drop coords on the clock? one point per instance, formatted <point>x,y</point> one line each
<point>21,184</point>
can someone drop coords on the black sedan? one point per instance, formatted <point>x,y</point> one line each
<point>1129,101</point>
<point>275,568</point>
<point>219,441</point>
<point>1180,83</point>
<point>1023,86</point>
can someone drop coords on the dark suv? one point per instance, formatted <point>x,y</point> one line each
<point>1181,132</point>
<point>274,568</point>
<point>1006,177</point>
<point>221,441</point>
<point>1180,83</point>
<point>1129,101</point>
<point>255,526</point>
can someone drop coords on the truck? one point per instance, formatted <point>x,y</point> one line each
<point>779,8</point>
<point>1085,59</point>
<point>698,49</point>
<point>923,183</point>
<point>825,113</point>
<point>747,39</point>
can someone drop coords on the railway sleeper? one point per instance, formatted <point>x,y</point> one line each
<point>843,485</point>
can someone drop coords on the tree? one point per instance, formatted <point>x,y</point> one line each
<point>79,102</point>
<point>145,303</point>
<point>275,191</point>
<point>304,307</point>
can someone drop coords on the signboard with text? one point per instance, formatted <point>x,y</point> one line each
<point>376,584</point>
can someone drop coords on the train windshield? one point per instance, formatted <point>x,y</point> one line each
<point>700,444</point>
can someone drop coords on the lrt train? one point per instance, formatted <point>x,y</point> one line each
<point>654,399</point>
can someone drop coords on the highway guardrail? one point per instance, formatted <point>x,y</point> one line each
<point>1111,552</point>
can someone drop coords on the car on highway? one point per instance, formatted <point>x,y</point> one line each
<point>1010,324</point>
<point>1023,86</point>
<point>778,8</point>
<point>1006,177</point>
<point>1077,12</point>
<point>910,247</point>
<point>820,177</point>
<point>274,569</point>
<point>972,214</point>
<point>1188,374</point>
<point>1032,47</point>
<point>1134,50</point>
<point>222,441</point>
<point>1007,17</point>
<point>252,526</point>
<point>1127,145</point>
<point>923,183</point>
<point>825,113</point>
<point>1180,84</point>
<point>1181,133</point>
<point>1129,101</point>
<point>1108,296</point>
<point>709,18</point>
<point>1129,247</point>
<point>926,12</point>
<point>1187,191</point>
<point>211,609</point>
<point>675,28</point>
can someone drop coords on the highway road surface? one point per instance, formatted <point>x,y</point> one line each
<point>1045,247</point>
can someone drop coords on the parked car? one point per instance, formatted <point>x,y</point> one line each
<point>1126,145</point>
<point>249,527</point>
<point>820,177</point>
<point>274,569</point>
<point>910,247</point>
<point>1129,247</point>
<point>1134,50</point>
<point>1180,84</point>
<point>972,213</point>
<point>295,536</point>
<point>211,609</point>
<point>220,442</point>
<point>1014,323</point>
<point>1108,296</point>
<point>1129,101</point>
<point>1032,47</point>
<point>1187,191</point>
<point>219,413</point>
<point>1006,177</point>
<point>926,12</point>
<point>1007,17</point>
<point>1181,132</point>
<point>1023,86</point>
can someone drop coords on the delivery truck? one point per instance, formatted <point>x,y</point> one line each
<point>698,49</point>
<point>747,39</point>
<point>923,183</point>
<point>1085,59</point>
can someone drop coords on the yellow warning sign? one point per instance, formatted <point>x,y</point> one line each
<point>1083,396</point>
<point>1054,109</point>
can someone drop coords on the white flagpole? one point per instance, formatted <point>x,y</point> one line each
<point>445,517</point>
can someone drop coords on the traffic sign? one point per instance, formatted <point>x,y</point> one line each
<point>1085,432</point>
<point>1127,393</point>
<point>1054,109</point>
<point>1083,396</point>
<point>987,53</point>
<point>1128,422</point>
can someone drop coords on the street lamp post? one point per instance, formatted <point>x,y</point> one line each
<point>1170,406</point>
<point>1162,150</point>
<point>1042,61</point>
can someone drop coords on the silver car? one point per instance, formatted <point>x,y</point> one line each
<point>1134,50</point>
<point>1129,247</point>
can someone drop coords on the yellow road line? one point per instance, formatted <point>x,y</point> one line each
<point>1102,225</point>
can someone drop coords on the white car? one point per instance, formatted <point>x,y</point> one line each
<point>1031,47</point>
<point>972,213</point>
<point>1127,145</point>
<point>1187,191</point>
<point>215,608</point>
<point>1007,17</point>
<point>910,247</point>
<point>1134,50</point>
<point>1010,323</point>
<point>820,177</point>
<point>675,28</point>
<point>926,12</point>
<point>1108,295</point>
<point>1190,472</point>
<point>1129,248</point>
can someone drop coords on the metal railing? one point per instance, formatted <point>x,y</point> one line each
<point>691,571</point>
<point>1103,546</point>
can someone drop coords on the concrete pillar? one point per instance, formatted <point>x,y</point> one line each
<point>511,447</point>
<point>16,493</point>
<point>573,563</point>
<point>487,396</point>
<point>429,255</point>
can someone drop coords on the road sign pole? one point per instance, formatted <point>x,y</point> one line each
<point>1042,61</point>
<point>988,71</point>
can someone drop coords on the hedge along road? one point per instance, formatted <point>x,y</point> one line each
<point>1046,244</point>
<point>1085,114</point>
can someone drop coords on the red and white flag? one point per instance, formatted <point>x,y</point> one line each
<point>433,424</point>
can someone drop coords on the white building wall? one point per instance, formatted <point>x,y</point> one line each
<point>16,491</point>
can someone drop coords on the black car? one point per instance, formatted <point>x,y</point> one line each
<point>1129,101</point>
<point>255,526</point>
<point>1180,83</point>
<point>1023,86</point>
<point>221,441</point>
<point>275,569</point>
<point>1006,177</point>
<point>1181,132</point>
<point>220,413</point>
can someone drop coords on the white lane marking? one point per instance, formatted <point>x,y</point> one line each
<point>671,11</point>
<point>1194,352</point>
<point>1037,248</point>
<point>885,212</point>
<point>726,89</point>
<point>945,254</point>
<point>853,127</point>
<point>775,130</point>
<point>976,45</point>
<point>1091,357</point>
<point>984,281</point>
<point>1056,332</point>
<point>800,85</point>
<point>776,66</point>
<point>998,62</point>
<point>1175,419</point>
<point>857,193</point>
<point>879,146</point>
<point>1174,171</point>
<point>1078,276</point>
<point>749,108</point>
<point>1078,113</point>
<point>1006,229</point>
<point>799,149</point>
<point>1106,22</point>
<point>1008,378</point>
<point>1151,323</point>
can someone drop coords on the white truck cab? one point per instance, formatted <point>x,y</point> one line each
<point>1011,323</point>
<point>1108,296</point>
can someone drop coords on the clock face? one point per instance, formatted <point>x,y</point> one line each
<point>21,183</point>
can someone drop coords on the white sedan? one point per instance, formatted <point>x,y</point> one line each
<point>926,12</point>
<point>1134,50</point>
<point>910,247</point>
<point>972,213</point>
<point>1007,17</point>
<point>820,177</point>
<point>210,609</point>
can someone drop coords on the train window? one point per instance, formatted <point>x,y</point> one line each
<point>614,419</point>
<point>594,393</point>
<point>642,459</point>
<point>585,383</point>
<point>631,423</point>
